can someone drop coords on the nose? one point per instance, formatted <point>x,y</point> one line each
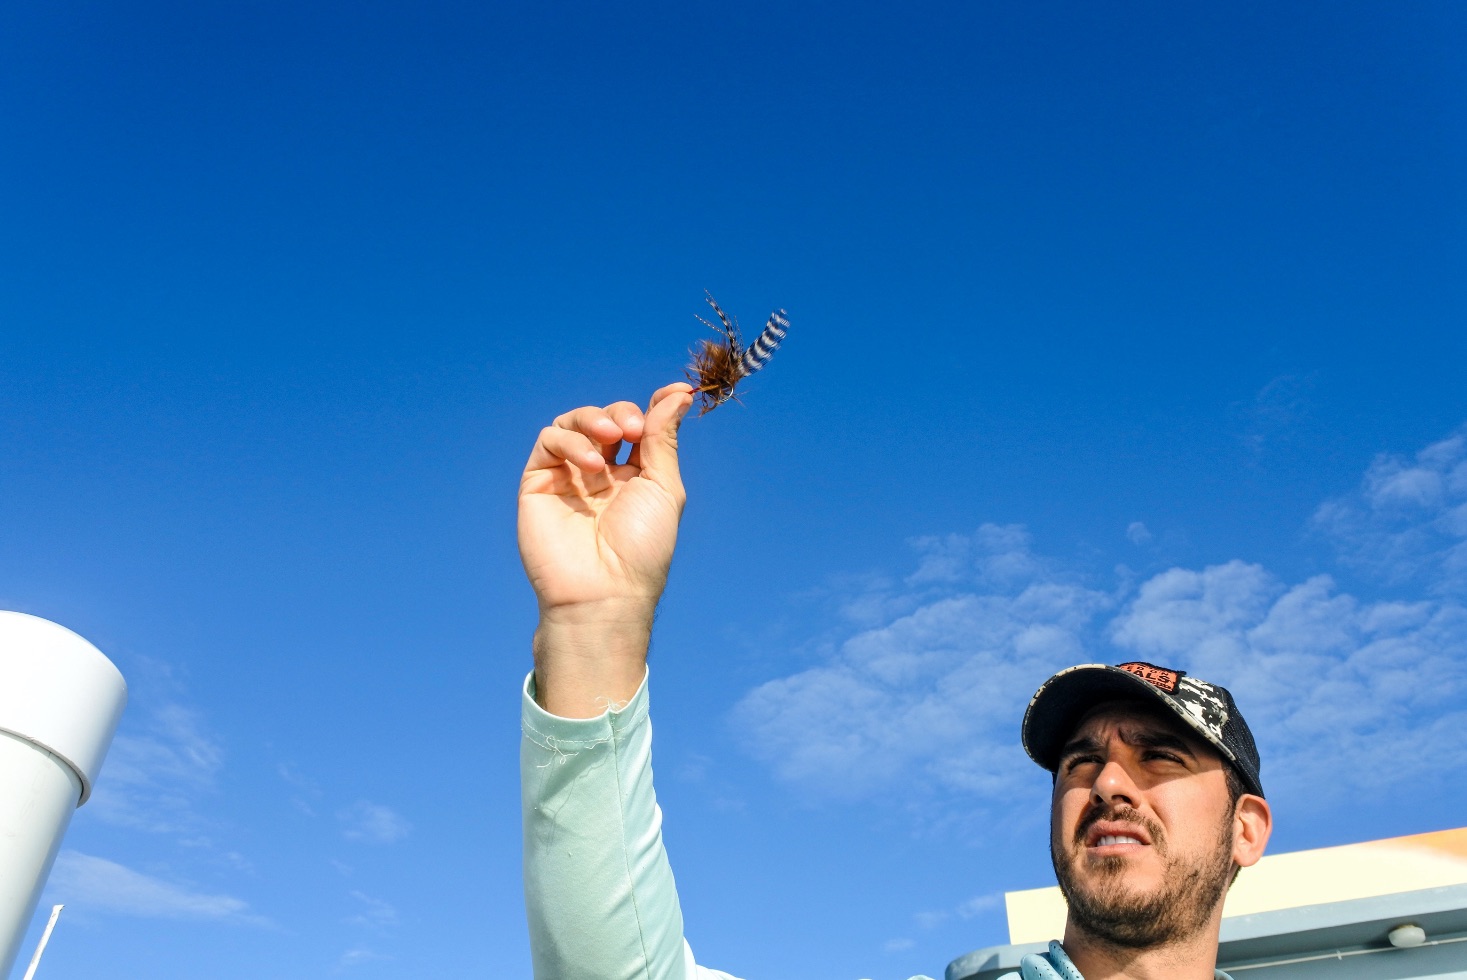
<point>1113,784</point>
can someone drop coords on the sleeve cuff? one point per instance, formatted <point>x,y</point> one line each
<point>564,735</point>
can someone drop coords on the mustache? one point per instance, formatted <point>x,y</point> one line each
<point>1120,814</point>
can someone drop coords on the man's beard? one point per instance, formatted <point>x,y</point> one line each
<point>1105,908</point>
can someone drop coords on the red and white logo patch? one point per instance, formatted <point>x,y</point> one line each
<point>1158,677</point>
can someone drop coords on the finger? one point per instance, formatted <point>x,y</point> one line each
<point>657,453</point>
<point>627,416</point>
<point>557,445</point>
<point>677,387</point>
<point>593,422</point>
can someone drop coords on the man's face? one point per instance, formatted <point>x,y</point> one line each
<point>1141,828</point>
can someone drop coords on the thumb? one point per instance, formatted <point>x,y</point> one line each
<point>657,451</point>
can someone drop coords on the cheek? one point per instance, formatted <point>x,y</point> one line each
<point>1195,820</point>
<point>1065,810</point>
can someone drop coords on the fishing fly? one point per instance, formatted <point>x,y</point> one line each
<point>719,365</point>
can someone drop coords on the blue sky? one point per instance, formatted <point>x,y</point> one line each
<point>1117,332</point>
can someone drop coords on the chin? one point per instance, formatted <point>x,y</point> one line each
<point>1126,903</point>
<point>1109,866</point>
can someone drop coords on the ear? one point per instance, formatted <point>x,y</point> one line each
<point>1252,823</point>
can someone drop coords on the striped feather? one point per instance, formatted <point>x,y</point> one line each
<point>762,349</point>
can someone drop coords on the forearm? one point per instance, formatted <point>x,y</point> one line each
<point>599,892</point>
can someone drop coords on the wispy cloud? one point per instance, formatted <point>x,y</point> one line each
<point>372,912</point>
<point>979,905</point>
<point>970,908</point>
<point>931,918</point>
<point>1407,521</point>
<point>97,884</point>
<point>307,790</point>
<point>1276,411</point>
<point>372,823</point>
<point>161,764</point>
<point>213,854</point>
<point>929,700</point>
<point>357,956</point>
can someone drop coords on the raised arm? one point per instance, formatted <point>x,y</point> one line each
<point>597,539</point>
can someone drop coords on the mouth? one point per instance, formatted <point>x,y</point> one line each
<point>1115,844</point>
<point>1106,838</point>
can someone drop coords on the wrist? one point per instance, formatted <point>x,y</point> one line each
<point>587,658</point>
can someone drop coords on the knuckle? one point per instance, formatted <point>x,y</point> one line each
<point>576,417</point>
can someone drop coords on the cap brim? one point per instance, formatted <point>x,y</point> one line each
<point>1063,700</point>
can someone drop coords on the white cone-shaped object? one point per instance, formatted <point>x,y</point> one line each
<point>60,701</point>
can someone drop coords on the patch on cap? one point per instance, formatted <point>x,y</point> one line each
<point>1158,677</point>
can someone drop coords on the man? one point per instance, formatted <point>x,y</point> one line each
<point>1156,804</point>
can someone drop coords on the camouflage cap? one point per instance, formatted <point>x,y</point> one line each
<point>1208,709</point>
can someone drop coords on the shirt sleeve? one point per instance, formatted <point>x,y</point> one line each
<point>599,891</point>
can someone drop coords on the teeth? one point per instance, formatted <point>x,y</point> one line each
<point>1110,839</point>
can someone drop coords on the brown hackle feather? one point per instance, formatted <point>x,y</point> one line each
<point>715,372</point>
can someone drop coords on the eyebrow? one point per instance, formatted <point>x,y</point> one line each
<point>1145,739</point>
<point>1077,745</point>
<point>1159,740</point>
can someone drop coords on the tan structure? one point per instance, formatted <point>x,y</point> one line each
<point>1285,881</point>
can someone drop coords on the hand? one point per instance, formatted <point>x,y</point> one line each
<point>597,538</point>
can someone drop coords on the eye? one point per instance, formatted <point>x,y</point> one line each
<point>1076,761</point>
<point>1162,754</point>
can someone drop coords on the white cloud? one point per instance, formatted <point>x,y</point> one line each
<point>97,884</point>
<point>1408,519</point>
<point>897,945</point>
<point>373,823</point>
<point>1180,610</point>
<point>929,697</point>
<point>1137,533</point>
<point>995,555</point>
<point>1344,693</point>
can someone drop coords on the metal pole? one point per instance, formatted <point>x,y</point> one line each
<point>45,938</point>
